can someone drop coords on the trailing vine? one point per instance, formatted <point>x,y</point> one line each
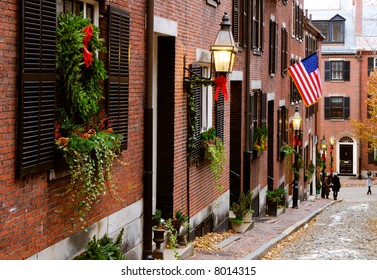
<point>83,133</point>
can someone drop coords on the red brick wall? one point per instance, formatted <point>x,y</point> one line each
<point>198,24</point>
<point>34,212</point>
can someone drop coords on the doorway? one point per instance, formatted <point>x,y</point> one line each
<point>346,159</point>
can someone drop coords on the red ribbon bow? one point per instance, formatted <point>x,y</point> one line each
<point>221,84</point>
<point>88,31</point>
<point>296,141</point>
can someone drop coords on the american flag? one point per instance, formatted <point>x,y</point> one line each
<point>306,76</point>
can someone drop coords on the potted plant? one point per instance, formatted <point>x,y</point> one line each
<point>214,150</point>
<point>274,199</point>
<point>242,212</point>
<point>179,221</point>
<point>260,140</point>
<point>103,249</point>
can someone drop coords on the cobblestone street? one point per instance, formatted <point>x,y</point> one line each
<point>343,231</point>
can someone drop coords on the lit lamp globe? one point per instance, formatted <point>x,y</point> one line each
<point>296,120</point>
<point>323,144</point>
<point>332,139</point>
<point>224,48</point>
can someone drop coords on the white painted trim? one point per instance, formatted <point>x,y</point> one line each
<point>236,76</point>
<point>165,26</point>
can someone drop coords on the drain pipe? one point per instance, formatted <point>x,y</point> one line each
<point>148,137</point>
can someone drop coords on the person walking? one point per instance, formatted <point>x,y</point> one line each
<point>335,185</point>
<point>369,182</point>
<point>328,185</point>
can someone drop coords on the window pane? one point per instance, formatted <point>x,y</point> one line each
<point>337,31</point>
<point>337,70</point>
<point>336,107</point>
<point>324,27</point>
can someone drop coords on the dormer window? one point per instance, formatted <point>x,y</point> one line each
<point>332,29</point>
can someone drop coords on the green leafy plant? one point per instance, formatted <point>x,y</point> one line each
<point>242,207</point>
<point>260,138</point>
<point>83,133</point>
<point>276,195</point>
<point>309,173</point>
<point>216,153</point>
<point>103,249</point>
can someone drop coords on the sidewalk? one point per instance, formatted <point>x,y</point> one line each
<point>267,232</point>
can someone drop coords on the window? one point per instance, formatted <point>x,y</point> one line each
<point>297,20</point>
<point>257,111</point>
<point>372,64</point>
<point>239,24</point>
<point>258,24</point>
<point>284,51</point>
<point>294,93</point>
<point>337,107</point>
<point>332,29</point>
<point>282,129</point>
<point>206,102</point>
<point>202,99</point>
<point>273,53</point>
<point>337,70</point>
<point>37,92</point>
<point>88,8</point>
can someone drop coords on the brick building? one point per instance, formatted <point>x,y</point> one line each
<point>152,48</point>
<point>348,56</point>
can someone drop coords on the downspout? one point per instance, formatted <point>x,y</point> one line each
<point>148,137</point>
<point>247,85</point>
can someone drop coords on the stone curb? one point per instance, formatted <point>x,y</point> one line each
<point>262,250</point>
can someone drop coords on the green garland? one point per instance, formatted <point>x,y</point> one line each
<point>82,134</point>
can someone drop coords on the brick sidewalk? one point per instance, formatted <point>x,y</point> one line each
<point>265,234</point>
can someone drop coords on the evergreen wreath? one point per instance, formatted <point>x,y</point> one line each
<point>82,132</point>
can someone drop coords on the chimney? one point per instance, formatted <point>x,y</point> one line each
<point>358,17</point>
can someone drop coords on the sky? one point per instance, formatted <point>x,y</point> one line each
<point>321,4</point>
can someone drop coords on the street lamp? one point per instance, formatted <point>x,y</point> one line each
<point>332,142</point>
<point>323,149</point>
<point>224,49</point>
<point>223,53</point>
<point>296,124</point>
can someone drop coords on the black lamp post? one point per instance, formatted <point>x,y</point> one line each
<point>332,142</point>
<point>296,123</point>
<point>323,149</point>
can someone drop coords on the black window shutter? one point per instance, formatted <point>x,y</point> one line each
<point>118,71</point>
<point>370,65</point>
<point>236,19</point>
<point>196,91</point>
<point>263,109</point>
<point>272,48</point>
<point>280,132</point>
<point>35,150</point>
<point>220,117</point>
<point>346,73</point>
<point>327,108</point>
<point>327,70</point>
<point>251,110</point>
<point>346,108</point>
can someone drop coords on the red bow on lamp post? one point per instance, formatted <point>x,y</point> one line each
<point>221,84</point>
<point>296,141</point>
<point>88,31</point>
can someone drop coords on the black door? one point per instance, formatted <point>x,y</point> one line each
<point>346,159</point>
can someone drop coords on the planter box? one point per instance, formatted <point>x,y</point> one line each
<point>243,227</point>
<point>272,208</point>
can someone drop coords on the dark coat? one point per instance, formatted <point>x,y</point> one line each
<point>335,183</point>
